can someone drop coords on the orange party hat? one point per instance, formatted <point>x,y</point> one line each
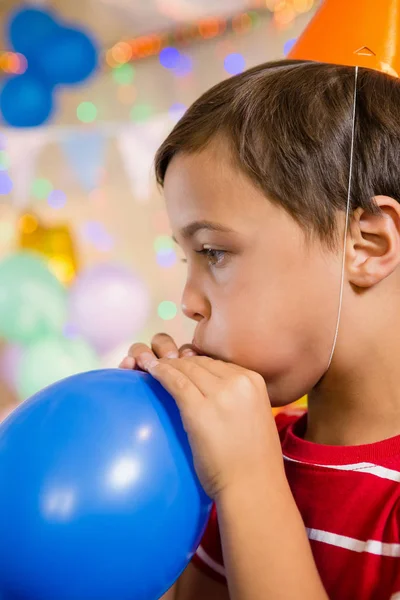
<point>364,33</point>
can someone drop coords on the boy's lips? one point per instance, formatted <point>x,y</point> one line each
<point>197,348</point>
<point>202,352</point>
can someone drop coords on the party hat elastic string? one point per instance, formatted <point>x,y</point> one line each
<point>347,215</point>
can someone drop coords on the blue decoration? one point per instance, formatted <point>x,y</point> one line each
<point>99,497</point>
<point>288,46</point>
<point>234,63</point>
<point>28,27</point>
<point>66,57</point>
<point>169,57</point>
<point>56,55</point>
<point>25,101</point>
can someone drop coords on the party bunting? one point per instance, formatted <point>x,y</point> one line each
<point>85,152</point>
<point>23,148</point>
<point>138,144</point>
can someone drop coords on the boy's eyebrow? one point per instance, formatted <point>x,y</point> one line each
<point>189,230</point>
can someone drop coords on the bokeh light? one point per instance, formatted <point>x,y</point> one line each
<point>6,185</point>
<point>302,6</point>
<point>141,112</point>
<point>96,233</point>
<point>177,110</point>
<point>13,62</point>
<point>124,74</point>
<point>284,17</point>
<point>4,160</point>
<point>234,63</point>
<point>242,23</point>
<point>209,28</point>
<point>184,66</point>
<point>169,57</point>
<point>121,53</point>
<point>167,310</point>
<point>163,243</point>
<point>57,199</point>
<point>3,141</point>
<point>86,112</point>
<point>289,45</point>
<point>166,258</point>
<point>166,255</point>
<point>41,188</point>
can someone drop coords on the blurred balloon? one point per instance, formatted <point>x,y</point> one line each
<point>25,101</point>
<point>29,26</point>
<point>50,359</point>
<point>55,54</point>
<point>68,56</point>
<point>108,305</point>
<point>32,300</point>
<point>10,359</point>
<point>99,471</point>
<point>113,358</point>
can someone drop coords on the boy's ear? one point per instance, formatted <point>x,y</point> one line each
<point>373,243</point>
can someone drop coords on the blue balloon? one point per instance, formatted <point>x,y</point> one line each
<point>68,56</point>
<point>29,26</point>
<point>99,499</point>
<point>25,101</point>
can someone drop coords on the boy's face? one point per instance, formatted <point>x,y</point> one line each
<point>262,298</point>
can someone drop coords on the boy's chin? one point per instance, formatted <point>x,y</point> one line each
<point>281,398</point>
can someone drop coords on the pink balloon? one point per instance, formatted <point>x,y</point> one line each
<point>108,305</point>
<point>10,359</point>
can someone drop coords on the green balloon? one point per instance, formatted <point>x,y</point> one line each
<point>50,359</point>
<point>33,302</point>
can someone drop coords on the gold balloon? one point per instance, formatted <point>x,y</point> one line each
<point>54,242</point>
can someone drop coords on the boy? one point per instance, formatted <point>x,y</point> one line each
<point>256,181</point>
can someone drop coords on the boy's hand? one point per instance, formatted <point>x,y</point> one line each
<point>162,346</point>
<point>227,415</point>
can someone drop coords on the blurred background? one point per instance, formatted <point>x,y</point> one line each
<point>88,91</point>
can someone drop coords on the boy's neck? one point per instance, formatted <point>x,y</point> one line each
<point>358,401</point>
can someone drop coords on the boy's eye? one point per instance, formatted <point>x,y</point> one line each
<point>215,257</point>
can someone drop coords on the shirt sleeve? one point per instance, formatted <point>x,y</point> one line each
<point>208,557</point>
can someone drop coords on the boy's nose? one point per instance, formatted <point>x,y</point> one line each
<point>191,313</point>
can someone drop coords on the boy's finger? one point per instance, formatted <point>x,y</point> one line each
<point>188,371</point>
<point>137,349</point>
<point>187,350</point>
<point>128,363</point>
<point>140,352</point>
<point>178,384</point>
<point>164,346</point>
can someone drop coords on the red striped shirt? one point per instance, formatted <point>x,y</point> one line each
<point>349,499</point>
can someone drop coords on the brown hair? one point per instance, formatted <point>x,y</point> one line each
<point>289,126</point>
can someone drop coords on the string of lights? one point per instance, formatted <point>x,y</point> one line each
<point>284,12</point>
